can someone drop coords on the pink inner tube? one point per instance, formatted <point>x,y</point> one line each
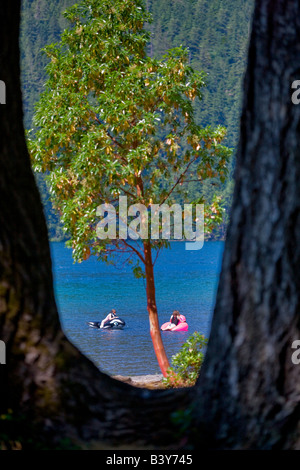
<point>182,325</point>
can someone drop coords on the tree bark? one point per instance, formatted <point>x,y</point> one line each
<point>46,380</point>
<point>249,386</point>
<point>152,311</point>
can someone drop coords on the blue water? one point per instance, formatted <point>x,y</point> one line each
<point>185,281</point>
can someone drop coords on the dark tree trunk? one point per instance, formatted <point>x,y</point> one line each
<point>249,385</point>
<point>152,311</point>
<point>46,379</point>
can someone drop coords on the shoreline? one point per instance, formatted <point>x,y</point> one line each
<point>151,381</point>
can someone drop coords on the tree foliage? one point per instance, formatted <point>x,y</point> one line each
<point>114,121</point>
<point>187,362</point>
<point>216,35</point>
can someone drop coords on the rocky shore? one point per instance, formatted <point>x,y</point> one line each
<point>151,382</point>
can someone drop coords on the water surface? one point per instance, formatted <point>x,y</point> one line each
<point>185,281</point>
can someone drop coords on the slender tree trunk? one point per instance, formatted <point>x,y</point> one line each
<point>152,310</point>
<point>151,300</point>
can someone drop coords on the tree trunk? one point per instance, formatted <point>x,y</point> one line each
<point>46,380</point>
<point>248,384</point>
<point>152,310</point>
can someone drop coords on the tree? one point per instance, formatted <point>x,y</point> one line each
<point>114,122</point>
<point>256,319</point>
<point>53,390</point>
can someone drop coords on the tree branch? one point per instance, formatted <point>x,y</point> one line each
<point>178,180</point>
<point>135,250</point>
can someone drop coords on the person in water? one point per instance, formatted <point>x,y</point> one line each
<point>174,320</point>
<point>109,317</point>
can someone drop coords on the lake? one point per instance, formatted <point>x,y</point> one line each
<point>185,280</point>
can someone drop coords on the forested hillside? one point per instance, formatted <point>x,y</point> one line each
<point>42,23</point>
<point>215,31</point>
